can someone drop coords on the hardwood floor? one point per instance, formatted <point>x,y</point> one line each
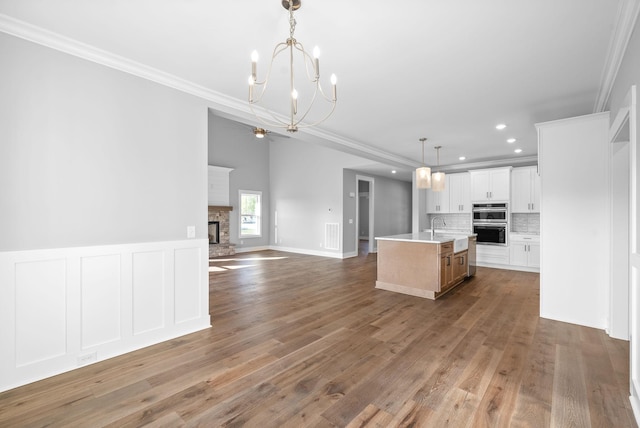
<point>303,341</point>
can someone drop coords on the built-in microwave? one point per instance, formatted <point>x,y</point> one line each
<point>490,213</point>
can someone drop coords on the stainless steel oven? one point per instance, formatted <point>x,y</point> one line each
<point>490,223</point>
<point>491,233</point>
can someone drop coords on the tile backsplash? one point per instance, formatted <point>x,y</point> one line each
<point>453,221</point>
<point>525,223</point>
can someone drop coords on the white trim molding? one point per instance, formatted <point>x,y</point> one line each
<point>625,22</point>
<point>68,307</point>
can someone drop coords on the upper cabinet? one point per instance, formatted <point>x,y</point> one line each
<point>438,202</point>
<point>490,185</point>
<point>459,193</point>
<point>455,197</point>
<point>525,190</point>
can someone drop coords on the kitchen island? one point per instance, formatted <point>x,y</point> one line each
<point>424,264</point>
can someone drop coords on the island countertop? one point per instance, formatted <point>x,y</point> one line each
<point>426,237</point>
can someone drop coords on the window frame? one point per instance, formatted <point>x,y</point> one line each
<point>258,214</point>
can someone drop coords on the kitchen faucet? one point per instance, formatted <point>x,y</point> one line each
<point>433,220</point>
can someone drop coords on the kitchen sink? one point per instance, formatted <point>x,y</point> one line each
<point>460,243</point>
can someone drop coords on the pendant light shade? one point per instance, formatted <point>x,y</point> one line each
<point>438,177</point>
<point>423,174</point>
<point>437,181</point>
<point>423,177</point>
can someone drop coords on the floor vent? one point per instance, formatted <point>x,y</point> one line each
<point>332,236</point>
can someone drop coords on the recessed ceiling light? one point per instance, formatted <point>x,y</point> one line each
<point>511,140</point>
<point>393,171</point>
<point>501,126</point>
<point>462,158</point>
<point>518,150</point>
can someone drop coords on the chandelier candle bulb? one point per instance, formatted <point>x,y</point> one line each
<point>251,81</point>
<point>334,80</point>
<point>316,60</point>
<point>254,64</point>
<point>294,98</point>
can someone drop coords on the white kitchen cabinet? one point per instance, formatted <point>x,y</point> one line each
<point>438,202</point>
<point>455,198</point>
<point>459,193</point>
<point>525,251</point>
<point>492,255</point>
<point>525,190</point>
<point>490,185</point>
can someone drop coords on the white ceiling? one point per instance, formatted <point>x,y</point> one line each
<point>445,70</point>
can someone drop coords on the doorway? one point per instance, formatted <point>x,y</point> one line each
<point>365,242</point>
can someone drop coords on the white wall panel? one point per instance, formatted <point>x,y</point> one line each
<point>101,305</point>
<point>40,311</point>
<point>62,308</point>
<point>187,279</point>
<point>148,291</point>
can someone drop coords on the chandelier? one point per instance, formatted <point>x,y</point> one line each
<point>257,89</point>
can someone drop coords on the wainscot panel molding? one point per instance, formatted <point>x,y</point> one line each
<point>65,308</point>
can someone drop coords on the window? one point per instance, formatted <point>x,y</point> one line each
<point>250,213</point>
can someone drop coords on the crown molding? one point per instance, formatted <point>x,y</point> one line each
<point>514,162</point>
<point>229,106</point>
<point>625,22</point>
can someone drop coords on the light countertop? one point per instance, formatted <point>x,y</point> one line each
<point>425,237</point>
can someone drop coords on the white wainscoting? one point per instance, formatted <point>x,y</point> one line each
<point>68,307</point>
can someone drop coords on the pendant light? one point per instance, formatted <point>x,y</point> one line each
<point>423,174</point>
<point>438,177</point>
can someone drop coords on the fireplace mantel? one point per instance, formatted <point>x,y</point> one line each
<point>220,208</point>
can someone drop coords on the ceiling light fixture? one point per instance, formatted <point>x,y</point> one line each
<point>501,126</point>
<point>511,140</point>
<point>259,132</point>
<point>423,174</point>
<point>393,171</point>
<point>306,62</point>
<point>462,158</point>
<point>518,150</point>
<point>438,177</point>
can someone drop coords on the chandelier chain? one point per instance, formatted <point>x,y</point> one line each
<point>292,21</point>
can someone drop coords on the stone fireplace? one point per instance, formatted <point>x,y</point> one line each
<point>219,239</point>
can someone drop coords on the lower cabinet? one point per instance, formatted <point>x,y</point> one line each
<point>489,255</point>
<point>453,267</point>
<point>460,266</point>
<point>446,267</point>
<point>525,251</point>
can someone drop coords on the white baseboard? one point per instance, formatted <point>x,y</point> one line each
<point>635,406</point>
<point>251,249</point>
<point>305,251</point>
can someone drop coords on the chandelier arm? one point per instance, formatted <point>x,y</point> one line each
<point>263,85</point>
<point>277,122</point>
<point>308,60</point>
<point>308,125</point>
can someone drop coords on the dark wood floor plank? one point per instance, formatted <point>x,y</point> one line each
<point>304,341</point>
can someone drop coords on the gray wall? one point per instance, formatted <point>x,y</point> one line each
<point>307,192</point>
<point>392,207</point>
<point>233,145</point>
<point>90,155</point>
